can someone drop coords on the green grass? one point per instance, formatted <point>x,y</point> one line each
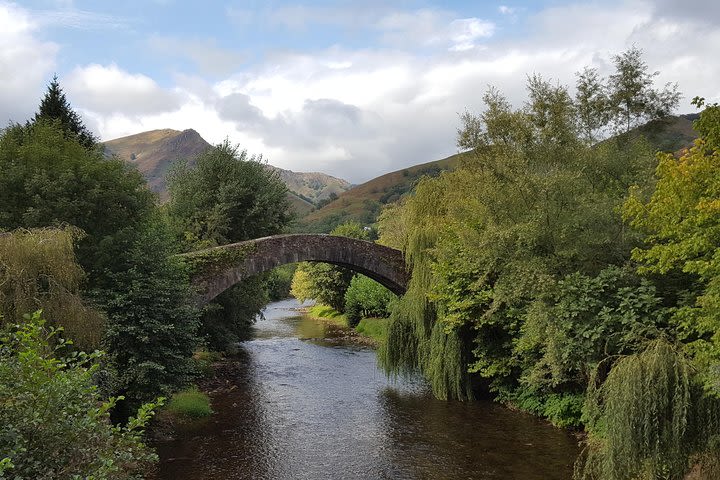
<point>375,328</point>
<point>190,403</point>
<point>328,313</point>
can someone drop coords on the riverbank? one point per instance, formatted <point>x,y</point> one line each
<point>368,332</point>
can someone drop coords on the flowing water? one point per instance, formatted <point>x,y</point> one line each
<point>300,404</point>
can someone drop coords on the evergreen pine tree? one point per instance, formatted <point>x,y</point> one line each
<point>55,106</point>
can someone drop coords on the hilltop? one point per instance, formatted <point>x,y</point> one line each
<point>154,151</point>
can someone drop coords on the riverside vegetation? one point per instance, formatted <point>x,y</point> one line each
<point>563,268</point>
<point>87,243</point>
<point>572,278</point>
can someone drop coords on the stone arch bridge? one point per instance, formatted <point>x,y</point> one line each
<point>216,269</point>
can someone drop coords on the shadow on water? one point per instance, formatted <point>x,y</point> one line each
<point>313,409</point>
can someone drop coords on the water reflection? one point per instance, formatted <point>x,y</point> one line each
<point>299,409</point>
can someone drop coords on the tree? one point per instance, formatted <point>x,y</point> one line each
<point>225,197</point>
<point>366,298</point>
<point>531,204</point>
<point>153,329</point>
<point>53,422</point>
<point>54,106</point>
<point>592,102</point>
<point>48,179</point>
<point>51,179</point>
<point>38,271</point>
<point>633,100</point>
<point>326,283</point>
<point>682,221</point>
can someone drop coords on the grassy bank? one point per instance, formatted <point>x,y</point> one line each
<point>375,328</point>
<point>372,328</point>
<point>189,403</point>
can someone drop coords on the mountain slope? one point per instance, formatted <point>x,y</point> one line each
<point>313,186</point>
<point>364,202</point>
<point>155,151</point>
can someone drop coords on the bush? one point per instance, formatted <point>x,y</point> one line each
<point>53,424</point>
<point>190,403</point>
<point>366,298</point>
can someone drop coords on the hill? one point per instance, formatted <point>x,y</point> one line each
<point>364,202</point>
<point>312,186</point>
<point>153,152</point>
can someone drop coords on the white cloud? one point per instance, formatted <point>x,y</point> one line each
<point>109,90</point>
<point>505,10</point>
<point>357,113</point>
<point>466,31</point>
<point>26,63</point>
<point>433,28</point>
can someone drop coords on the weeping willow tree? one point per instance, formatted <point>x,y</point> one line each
<point>417,341</point>
<point>38,270</point>
<point>650,419</point>
<point>530,203</point>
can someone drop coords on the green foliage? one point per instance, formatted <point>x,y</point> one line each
<point>647,418</point>
<point>633,100</point>
<point>190,403</point>
<point>326,312</point>
<point>38,271</point>
<point>532,204</point>
<point>227,320</point>
<point>580,322</point>
<point>152,333</point>
<point>708,125</point>
<point>49,180</point>
<point>367,298</point>
<point>54,106</point>
<point>279,282</point>
<point>682,220</point>
<point>53,424</point>
<point>226,197</point>
<point>323,282</point>
<point>624,100</point>
<point>212,261</point>
<point>301,285</point>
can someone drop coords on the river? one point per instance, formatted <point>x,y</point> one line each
<point>301,404</point>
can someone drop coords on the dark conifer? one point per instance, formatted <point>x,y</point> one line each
<point>55,106</point>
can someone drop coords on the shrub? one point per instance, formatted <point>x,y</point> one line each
<point>366,298</point>
<point>53,424</point>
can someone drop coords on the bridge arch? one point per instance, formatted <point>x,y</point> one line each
<point>217,269</point>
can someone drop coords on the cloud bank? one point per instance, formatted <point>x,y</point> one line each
<point>360,112</point>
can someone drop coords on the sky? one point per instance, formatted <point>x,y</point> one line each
<point>352,89</point>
